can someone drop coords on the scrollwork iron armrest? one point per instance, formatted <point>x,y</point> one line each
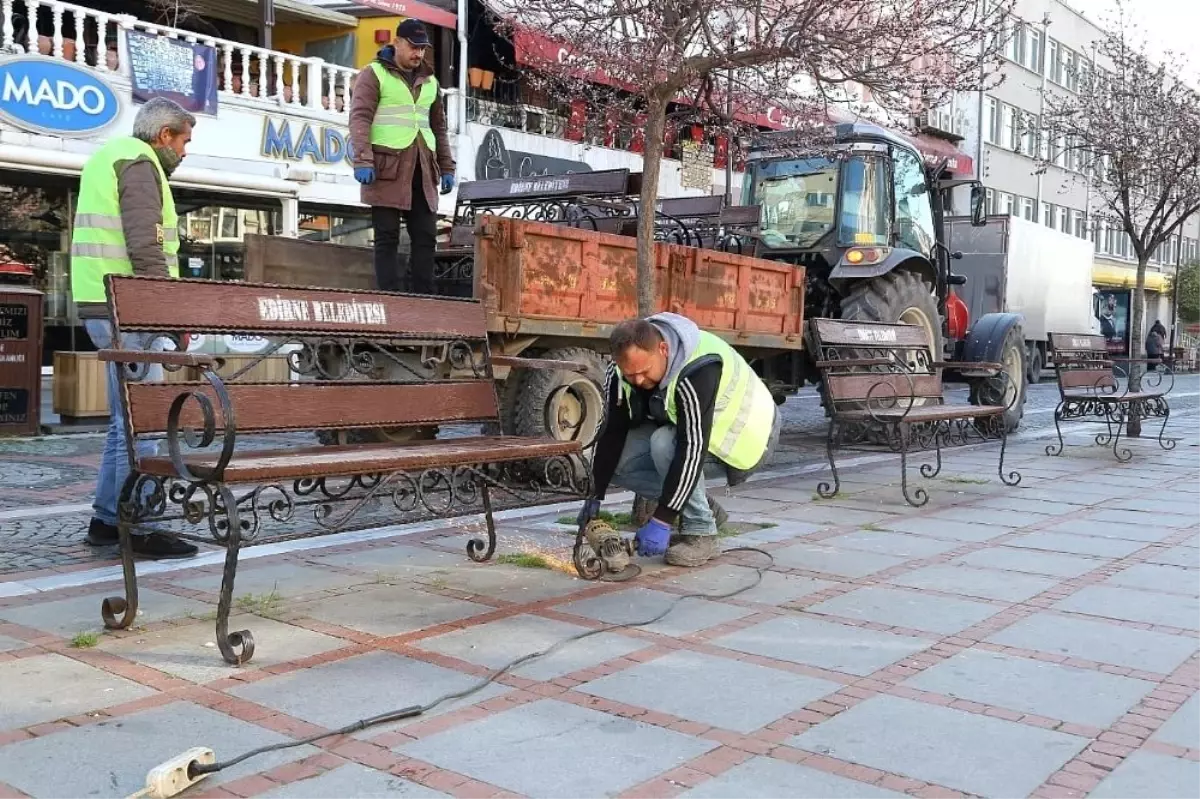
<point>159,358</point>
<point>1151,378</point>
<point>197,439</point>
<point>875,404</point>
<point>538,363</point>
<point>857,362</point>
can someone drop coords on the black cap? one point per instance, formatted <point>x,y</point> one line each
<point>413,31</point>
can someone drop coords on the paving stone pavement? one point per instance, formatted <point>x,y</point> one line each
<point>1032,641</point>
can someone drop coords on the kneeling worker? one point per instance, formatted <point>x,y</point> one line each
<point>680,405</point>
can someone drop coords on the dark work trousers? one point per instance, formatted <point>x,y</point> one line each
<point>421,220</point>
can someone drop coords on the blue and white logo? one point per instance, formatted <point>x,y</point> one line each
<point>46,95</point>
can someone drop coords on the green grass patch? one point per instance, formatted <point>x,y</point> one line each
<point>525,560</point>
<point>85,640</point>
<point>619,519</point>
<point>267,605</point>
<point>975,481</point>
<point>870,527</point>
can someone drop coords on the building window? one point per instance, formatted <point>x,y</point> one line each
<point>1056,62</point>
<point>1032,128</point>
<point>1098,235</point>
<point>1059,153</point>
<point>1080,225</point>
<point>989,201</point>
<point>1047,214</point>
<point>1029,209</point>
<point>1015,50</point>
<point>1033,59</point>
<point>1064,219</point>
<point>993,121</point>
<point>1010,204</point>
<point>1012,129</point>
<point>1071,70</point>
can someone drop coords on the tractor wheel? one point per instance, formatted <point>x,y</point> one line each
<point>900,297</point>
<point>997,391</point>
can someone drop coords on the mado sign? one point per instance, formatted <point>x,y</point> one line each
<point>322,145</point>
<point>45,95</point>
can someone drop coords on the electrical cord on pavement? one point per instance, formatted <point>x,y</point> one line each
<point>197,769</point>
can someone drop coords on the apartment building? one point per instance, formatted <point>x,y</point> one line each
<point>1050,46</point>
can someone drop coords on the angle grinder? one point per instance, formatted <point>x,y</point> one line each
<point>613,551</point>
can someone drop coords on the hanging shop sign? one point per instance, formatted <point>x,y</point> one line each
<point>55,97</point>
<point>185,72</point>
<point>319,144</point>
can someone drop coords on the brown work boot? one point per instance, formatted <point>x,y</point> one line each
<point>693,550</point>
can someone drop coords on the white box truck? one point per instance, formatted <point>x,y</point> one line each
<point>1018,266</point>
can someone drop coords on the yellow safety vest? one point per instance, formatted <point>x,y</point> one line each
<point>744,411</point>
<point>398,117</point>
<point>98,238</point>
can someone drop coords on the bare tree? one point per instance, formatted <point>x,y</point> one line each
<point>1132,125</point>
<point>729,60</point>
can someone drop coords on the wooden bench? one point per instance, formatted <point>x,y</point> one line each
<point>336,343</point>
<point>1093,387</point>
<point>881,386</point>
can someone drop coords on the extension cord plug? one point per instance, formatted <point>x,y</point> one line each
<point>174,776</point>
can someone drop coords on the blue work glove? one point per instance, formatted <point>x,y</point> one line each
<point>447,183</point>
<point>589,511</point>
<point>653,538</point>
<point>364,174</point>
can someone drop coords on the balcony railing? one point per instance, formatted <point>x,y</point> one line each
<point>251,74</point>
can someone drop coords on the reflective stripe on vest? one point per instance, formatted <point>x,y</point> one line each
<point>743,412</point>
<point>98,236</point>
<point>399,117</point>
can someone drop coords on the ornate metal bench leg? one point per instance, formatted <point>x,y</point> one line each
<point>236,647</point>
<point>930,471</point>
<point>1014,477</point>
<point>1122,454</point>
<point>477,549</point>
<point>1165,443</point>
<point>919,496</point>
<point>119,612</point>
<point>823,488</point>
<point>1051,449</point>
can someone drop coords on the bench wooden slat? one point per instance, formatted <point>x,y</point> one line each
<point>881,386</point>
<point>260,407</point>
<point>869,334</point>
<point>927,413</point>
<point>149,304</point>
<point>1078,342</point>
<point>1087,378</point>
<point>346,461</point>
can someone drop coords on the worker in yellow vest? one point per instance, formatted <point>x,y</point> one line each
<point>126,224</point>
<point>401,156</point>
<point>680,405</point>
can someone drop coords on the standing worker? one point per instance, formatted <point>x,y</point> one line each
<point>401,154</point>
<point>680,405</point>
<point>125,224</point>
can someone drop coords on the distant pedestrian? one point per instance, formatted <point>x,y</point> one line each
<point>1154,345</point>
<point>126,224</point>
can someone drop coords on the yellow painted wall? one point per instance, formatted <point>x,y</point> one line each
<point>293,38</point>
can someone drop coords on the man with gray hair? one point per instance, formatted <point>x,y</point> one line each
<point>125,224</point>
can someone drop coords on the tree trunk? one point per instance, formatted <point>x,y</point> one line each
<point>656,118</point>
<point>1137,348</point>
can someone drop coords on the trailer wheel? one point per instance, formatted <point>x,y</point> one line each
<point>996,391</point>
<point>1035,366</point>
<point>562,405</point>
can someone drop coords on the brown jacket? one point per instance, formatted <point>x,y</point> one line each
<point>140,195</point>
<point>394,168</point>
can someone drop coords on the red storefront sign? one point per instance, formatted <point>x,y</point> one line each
<point>415,10</point>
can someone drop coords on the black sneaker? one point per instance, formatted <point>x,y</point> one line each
<point>101,534</point>
<point>159,546</point>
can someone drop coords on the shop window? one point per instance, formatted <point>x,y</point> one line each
<point>337,226</point>
<point>35,239</point>
<point>213,229</point>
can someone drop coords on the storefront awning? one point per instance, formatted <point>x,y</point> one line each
<point>411,8</point>
<point>249,12</point>
<point>1125,277</point>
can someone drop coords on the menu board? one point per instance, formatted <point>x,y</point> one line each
<point>180,71</point>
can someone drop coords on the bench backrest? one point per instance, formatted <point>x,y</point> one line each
<point>873,363</point>
<point>1082,362</point>
<point>356,358</point>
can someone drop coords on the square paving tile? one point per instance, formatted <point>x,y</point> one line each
<point>983,583</point>
<point>1041,507</point>
<point>828,560</point>
<point>1187,557</point>
<point>1032,561</point>
<point>774,588</point>
<point>1076,544</point>
<point>1031,686</point>
<point>1099,641</point>
<point>67,617</point>
<point>9,644</point>
<point>1149,775</point>
<point>355,780</point>
<point>111,758</point>
<point>579,752</point>
<point>1144,518</point>
<point>1156,577</point>
<point>1183,728</point>
<point>1127,532</point>
<point>1178,507</point>
<point>400,560</point>
<point>336,694</point>
<point>997,517</point>
<point>968,752</point>
<point>837,647</point>
<point>826,514</point>
<point>949,529</point>
<point>499,642</point>
<point>50,687</point>
<point>284,579</point>
<point>903,545</point>
<point>639,604</point>
<point>1135,605</point>
<point>767,778</point>
<point>693,686</point>
<point>897,608</point>
<point>388,610</point>
<point>190,651</point>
